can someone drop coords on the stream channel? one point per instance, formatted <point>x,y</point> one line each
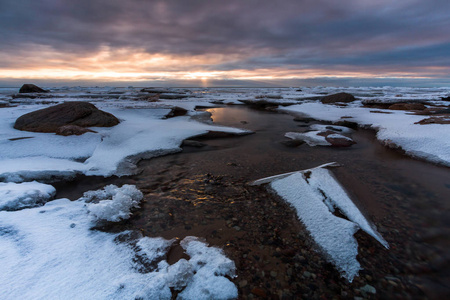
<point>203,191</point>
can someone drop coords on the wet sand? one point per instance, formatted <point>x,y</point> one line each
<point>203,192</point>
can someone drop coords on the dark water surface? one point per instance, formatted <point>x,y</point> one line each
<point>202,192</point>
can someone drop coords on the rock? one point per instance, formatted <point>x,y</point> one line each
<point>303,119</point>
<point>259,292</point>
<point>339,97</point>
<point>149,97</point>
<point>67,130</point>
<point>348,124</point>
<point>435,120</point>
<point>176,112</point>
<point>172,96</point>
<point>77,113</point>
<point>31,88</point>
<point>368,289</point>
<point>337,140</point>
<point>243,283</point>
<point>192,143</point>
<point>445,98</point>
<point>261,104</point>
<point>292,143</point>
<point>407,106</point>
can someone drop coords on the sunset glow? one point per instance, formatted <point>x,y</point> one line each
<point>110,41</point>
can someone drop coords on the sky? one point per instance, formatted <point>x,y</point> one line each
<point>225,42</point>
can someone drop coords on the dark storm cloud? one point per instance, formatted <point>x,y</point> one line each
<point>319,33</point>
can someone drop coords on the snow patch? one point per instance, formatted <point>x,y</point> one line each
<point>396,129</point>
<point>15,196</point>
<point>112,203</point>
<point>210,267</point>
<point>52,252</point>
<point>311,138</point>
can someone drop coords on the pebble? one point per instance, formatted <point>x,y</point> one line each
<point>243,283</point>
<point>259,292</point>
<point>306,274</point>
<point>368,289</point>
<point>392,283</point>
<point>273,273</point>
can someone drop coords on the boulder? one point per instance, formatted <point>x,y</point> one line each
<point>407,106</point>
<point>77,113</point>
<point>67,130</point>
<point>443,119</point>
<point>31,88</point>
<point>339,97</point>
<point>176,111</point>
<point>337,140</point>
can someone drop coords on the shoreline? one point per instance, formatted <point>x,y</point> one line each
<point>186,195</point>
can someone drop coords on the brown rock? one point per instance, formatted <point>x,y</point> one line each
<point>67,130</point>
<point>340,142</point>
<point>339,97</point>
<point>259,292</point>
<point>348,124</point>
<point>50,119</point>
<point>407,106</point>
<point>435,120</point>
<point>31,88</point>
<point>176,112</point>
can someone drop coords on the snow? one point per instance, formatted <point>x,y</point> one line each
<point>311,138</point>
<point>51,252</point>
<point>338,136</point>
<point>15,196</point>
<point>44,168</point>
<point>210,267</point>
<point>142,133</point>
<point>112,203</point>
<point>320,127</point>
<point>314,194</point>
<point>394,129</point>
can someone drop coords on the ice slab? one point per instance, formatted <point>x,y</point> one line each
<point>314,194</point>
<point>15,196</point>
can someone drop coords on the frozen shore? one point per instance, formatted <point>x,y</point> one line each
<point>37,159</point>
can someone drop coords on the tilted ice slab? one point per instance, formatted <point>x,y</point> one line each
<point>52,252</point>
<point>141,134</point>
<point>394,128</point>
<point>315,194</point>
<point>15,196</point>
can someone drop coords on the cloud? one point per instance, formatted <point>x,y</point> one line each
<point>224,36</point>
